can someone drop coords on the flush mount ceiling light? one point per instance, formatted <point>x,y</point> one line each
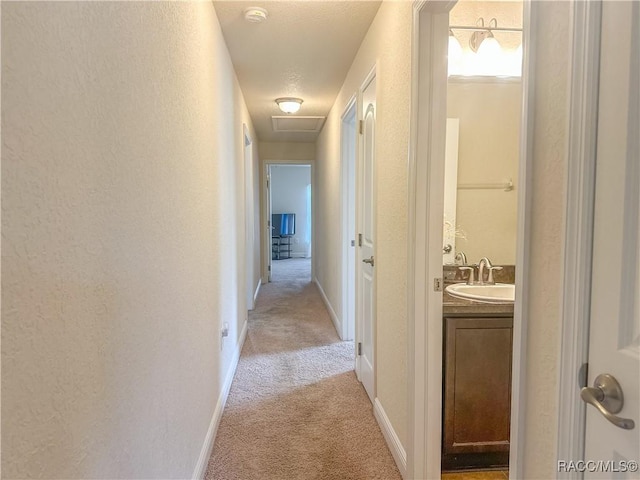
<point>289,104</point>
<point>255,14</point>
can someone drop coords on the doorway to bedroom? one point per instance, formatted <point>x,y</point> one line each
<point>290,220</point>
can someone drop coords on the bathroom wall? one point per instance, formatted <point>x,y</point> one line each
<point>387,45</point>
<point>123,237</point>
<point>289,195</point>
<point>488,153</point>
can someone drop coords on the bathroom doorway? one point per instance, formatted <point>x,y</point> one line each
<point>484,108</point>
<point>467,209</point>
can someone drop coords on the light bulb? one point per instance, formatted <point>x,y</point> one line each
<point>455,55</point>
<point>289,104</point>
<point>516,62</point>
<point>489,56</point>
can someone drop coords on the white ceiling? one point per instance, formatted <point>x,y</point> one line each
<point>304,49</point>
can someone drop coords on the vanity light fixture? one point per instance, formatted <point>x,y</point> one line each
<point>484,36</point>
<point>489,50</point>
<point>482,31</point>
<point>289,104</point>
<point>490,58</point>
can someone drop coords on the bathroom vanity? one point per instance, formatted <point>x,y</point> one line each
<point>477,353</point>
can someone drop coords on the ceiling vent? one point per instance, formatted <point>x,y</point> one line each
<point>297,124</point>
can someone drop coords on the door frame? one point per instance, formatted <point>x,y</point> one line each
<point>426,168</point>
<point>349,200</point>
<point>249,202</point>
<point>578,239</point>
<point>266,207</point>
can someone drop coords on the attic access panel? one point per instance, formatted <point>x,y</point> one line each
<point>288,123</point>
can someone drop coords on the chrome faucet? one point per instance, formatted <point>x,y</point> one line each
<point>460,256</point>
<point>483,264</point>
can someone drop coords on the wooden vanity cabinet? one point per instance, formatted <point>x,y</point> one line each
<point>476,391</point>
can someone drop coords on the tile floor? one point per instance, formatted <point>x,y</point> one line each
<point>478,475</point>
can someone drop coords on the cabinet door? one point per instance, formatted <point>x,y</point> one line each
<point>477,389</point>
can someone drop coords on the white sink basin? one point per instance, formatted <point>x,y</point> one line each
<point>498,293</point>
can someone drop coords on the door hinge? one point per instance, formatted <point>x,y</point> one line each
<point>361,127</point>
<point>359,349</point>
<point>583,375</point>
<point>437,284</point>
<point>269,267</point>
<point>268,223</point>
<point>267,183</point>
<point>359,239</point>
<point>353,243</point>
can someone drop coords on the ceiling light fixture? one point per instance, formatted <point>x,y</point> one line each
<point>489,58</point>
<point>289,104</point>
<point>255,14</point>
<point>482,34</point>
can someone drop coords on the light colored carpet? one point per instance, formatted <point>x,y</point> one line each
<point>296,409</point>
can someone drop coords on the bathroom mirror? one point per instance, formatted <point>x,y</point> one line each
<point>483,129</point>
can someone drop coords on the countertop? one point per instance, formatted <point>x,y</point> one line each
<point>459,306</point>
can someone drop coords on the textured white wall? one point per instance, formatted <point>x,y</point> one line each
<point>488,152</point>
<point>388,42</point>
<point>552,41</point>
<point>289,195</point>
<point>287,151</point>
<point>121,180</point>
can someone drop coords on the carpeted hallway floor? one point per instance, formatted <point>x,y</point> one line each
<point>296,409</point>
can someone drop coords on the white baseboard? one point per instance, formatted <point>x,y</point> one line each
<point>332,313</point>
<point>255,295</point>
<point>393,442</point>
<point>207,447</point>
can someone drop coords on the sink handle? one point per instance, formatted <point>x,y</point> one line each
<point>490,280</point>
<point>472,274</point>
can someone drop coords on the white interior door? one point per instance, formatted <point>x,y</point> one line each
<point>351,233</point>
<point>614,345</point>
<point>366,304</point>
<point>349,155</point>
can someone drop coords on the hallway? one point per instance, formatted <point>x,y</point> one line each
<point>296,409</point>
<point>135,231</point>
